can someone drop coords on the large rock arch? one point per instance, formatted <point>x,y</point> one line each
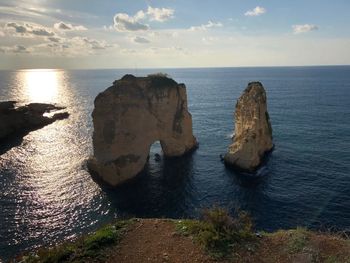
<point>130,116</point>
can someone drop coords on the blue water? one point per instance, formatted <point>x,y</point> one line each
<point>48,196</point>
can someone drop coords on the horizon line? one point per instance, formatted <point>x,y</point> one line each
<point>167,67</point>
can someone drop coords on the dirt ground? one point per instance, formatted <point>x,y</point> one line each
<point>156,240</point>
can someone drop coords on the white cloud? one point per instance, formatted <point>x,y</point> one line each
<point>140,15</point>
<point>18,28</point>
<point>210,24</point>
<point>14,49</point>
<point>19,49</point>
<point>29,30</point>
<point>66,26</point>
<point>298,29</point>
<point>54,39</point>
<point>257,11</point>
<point>108,28</point>
<point>140,40</point>
<point>89,43</point>
<point>160,14</point>
<point>124,22</point>
<point>37,39</point>
<point>171,51</point>
<point>209,40</point>
<point>71,47</point>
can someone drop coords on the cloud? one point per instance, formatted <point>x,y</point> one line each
<point>89,43</point>
<point>171,51</point>
<point>30,29</point>
<point>299,29</point>
<point>17,27</point>
<point>41,32</point>
<point>257,11</point>
<point>14,49</point>
<point>19,49</point>
<point>71,47</point>
<point>54,39</point>
<point>123,22</point>
<point>160,14</point>
<point>209,25</point>
<point>66,26</point>
<point>209,40</point>
<point>141,40</point>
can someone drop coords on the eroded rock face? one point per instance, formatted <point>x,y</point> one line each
<point>253,132</point>
<point>23,119</point>
<point>130,116</point>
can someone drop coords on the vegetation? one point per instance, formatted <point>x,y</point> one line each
<point>90,248</point>
<point>218,232</point>
<point>224,237</point>
<point>298,240</point>
<point>159,75</point>
<point>304,245</point>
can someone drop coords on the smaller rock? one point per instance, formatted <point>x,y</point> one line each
<point>253,132</point>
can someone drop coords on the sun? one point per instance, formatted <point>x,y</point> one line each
<point>41,85</point>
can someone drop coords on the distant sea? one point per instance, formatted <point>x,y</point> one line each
<point>47,195</point>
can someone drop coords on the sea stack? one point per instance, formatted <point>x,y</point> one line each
<point>130,116</point>
<point>253,132</point>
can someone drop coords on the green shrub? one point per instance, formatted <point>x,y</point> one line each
<point>158,74</point>
<point>298,240</point>
<point>86,249</point>
<point>218,232</point>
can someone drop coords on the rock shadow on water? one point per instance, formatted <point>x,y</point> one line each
<point>163,189</point>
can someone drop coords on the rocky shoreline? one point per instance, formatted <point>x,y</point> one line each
<point>19,120</point>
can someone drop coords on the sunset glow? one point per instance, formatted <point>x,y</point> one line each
<point>41,85</point>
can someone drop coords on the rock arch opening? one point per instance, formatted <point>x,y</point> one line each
<point>155,152</point>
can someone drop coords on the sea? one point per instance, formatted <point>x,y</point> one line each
<point>47,194</point>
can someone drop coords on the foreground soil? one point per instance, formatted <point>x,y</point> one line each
<point>159,240</point>
<point>155,240</point>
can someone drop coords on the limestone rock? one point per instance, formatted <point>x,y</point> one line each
<point>23,119</point>
<point>130,116</point>
<point>253,132</point>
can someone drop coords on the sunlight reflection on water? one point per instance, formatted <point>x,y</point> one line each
<point>46,190</point>
<point>40,85</point>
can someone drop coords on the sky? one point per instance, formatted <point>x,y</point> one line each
<point>79,34</point>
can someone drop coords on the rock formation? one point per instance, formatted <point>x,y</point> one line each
<point>253,132</point>
<point>130,116</point>
<point>23,119</point>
